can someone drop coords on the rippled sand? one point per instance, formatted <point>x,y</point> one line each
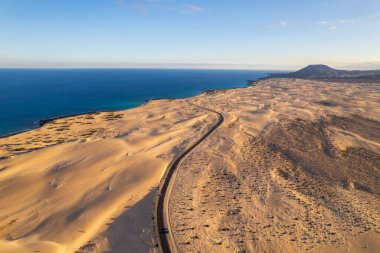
<point>294,167</point>
<point>85,183</point>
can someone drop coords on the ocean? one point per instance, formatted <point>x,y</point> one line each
<point>30,95</point>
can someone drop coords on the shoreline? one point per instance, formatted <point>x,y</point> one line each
<point>42,122</point>
<point>104,172</point>
<point>95,176</point>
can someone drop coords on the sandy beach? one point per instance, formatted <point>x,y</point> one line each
<point>294,167</point>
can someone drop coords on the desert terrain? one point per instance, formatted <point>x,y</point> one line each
<point>86,183</point>
<point>294,167</point>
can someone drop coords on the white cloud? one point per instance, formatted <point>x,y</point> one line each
<point>374,16</point>
<point>192,8</point>
<point>136,6</point>
<point>334,24</point>
<point>363,65</point>
<point>279,24</point>
<point>347,21</point>
<point>145,6</point>
<point>283,23</point>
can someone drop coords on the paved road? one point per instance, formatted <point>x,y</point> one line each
<point>162,231</point>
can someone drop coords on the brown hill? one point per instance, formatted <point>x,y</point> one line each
<point>324,71</point>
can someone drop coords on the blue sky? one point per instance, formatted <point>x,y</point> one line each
<point>262,34</point>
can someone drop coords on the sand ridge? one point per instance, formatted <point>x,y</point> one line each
<point>64,185</point>
<point>294,167</point>
<point>278,176</point>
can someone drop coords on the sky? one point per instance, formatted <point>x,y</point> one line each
<point>252,34</point>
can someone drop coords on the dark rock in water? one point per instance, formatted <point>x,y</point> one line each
<point>44,121</point>
<point>153,99</point>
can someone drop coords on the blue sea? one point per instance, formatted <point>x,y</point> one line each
<point>30,95</point>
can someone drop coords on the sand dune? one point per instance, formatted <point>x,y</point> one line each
<point>294,167</point>
<point>63,186</point>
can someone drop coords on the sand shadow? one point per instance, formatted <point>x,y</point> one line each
<point>132,230</point>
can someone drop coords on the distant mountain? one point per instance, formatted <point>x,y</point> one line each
<point>323,71</point>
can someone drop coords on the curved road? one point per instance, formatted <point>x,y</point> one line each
<point>161,225</point>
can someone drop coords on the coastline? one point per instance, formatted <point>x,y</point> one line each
<point>97,175</point>
<point>42,122</point>
<point>121,154</point>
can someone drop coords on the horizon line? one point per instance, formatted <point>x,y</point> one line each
<point>139,67</point>
<point>200,66</point>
